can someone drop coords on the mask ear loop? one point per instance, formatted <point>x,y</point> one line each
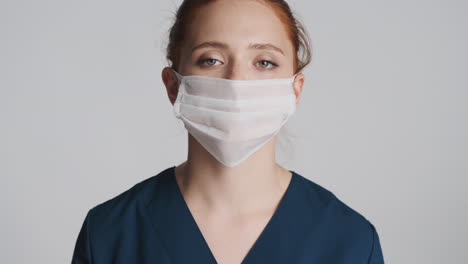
<point>178,75</point>
<point>294,76</point>
<point>293,106</point>
<point>180,93</point>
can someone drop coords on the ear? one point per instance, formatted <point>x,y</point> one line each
<point>298,85</point>
<point>171,82</point>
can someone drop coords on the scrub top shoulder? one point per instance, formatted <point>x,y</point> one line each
<point>151,223</point>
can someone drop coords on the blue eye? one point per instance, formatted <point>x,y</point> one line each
<point>210,61</point>
<point>266,63</point>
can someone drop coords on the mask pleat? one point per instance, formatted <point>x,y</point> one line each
<point>234,118</point>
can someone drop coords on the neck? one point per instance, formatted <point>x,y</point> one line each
<point>250,186</point>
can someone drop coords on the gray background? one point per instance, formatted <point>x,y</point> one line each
<point>382,122</point>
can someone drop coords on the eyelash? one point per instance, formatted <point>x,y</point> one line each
<point>200,62</point>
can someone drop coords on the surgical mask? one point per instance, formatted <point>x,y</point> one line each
<point>232,119</point>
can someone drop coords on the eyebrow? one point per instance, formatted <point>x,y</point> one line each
<point>220,45</point>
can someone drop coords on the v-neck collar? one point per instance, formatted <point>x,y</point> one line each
<point>185,243</point>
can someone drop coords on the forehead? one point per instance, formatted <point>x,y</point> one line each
<point>238,23</point>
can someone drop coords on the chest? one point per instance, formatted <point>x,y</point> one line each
<point>230,238</point>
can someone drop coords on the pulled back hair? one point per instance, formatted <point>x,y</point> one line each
<point>296,31</point>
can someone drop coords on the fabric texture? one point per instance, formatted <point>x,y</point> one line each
<point>151,223</point>
<point>232,119</point>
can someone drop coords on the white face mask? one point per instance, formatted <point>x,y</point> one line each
<point>232,119</point>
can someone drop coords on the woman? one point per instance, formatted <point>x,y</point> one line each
<point>234,81</point>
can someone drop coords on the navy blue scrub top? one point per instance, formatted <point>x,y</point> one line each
<point>151,223</point>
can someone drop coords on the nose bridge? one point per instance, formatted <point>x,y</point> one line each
<point>237,70</point>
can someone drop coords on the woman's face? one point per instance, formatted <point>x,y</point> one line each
<point>238,40</point>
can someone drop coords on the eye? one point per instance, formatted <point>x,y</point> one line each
<point>265,63</point>
<point>209,61</point>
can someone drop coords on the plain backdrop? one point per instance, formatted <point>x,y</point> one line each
<point>382,122</point>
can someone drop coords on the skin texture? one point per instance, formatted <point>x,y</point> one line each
<point>232,206</point>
